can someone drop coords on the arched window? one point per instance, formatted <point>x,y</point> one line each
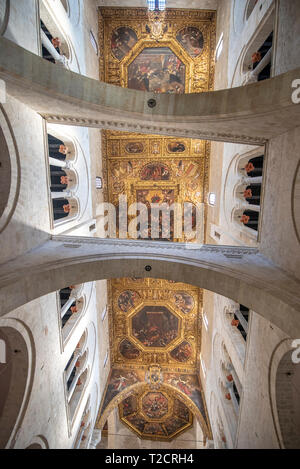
<point>156,5</point>
<point>86,427</point>
<point>76,374</point>
<point>258,60</point>
<point>63,179</point>
<point>64,208</point>
<point>72,306</point>
<point>55,47</point>
<point>239,319</point>
<point>230,383</point>
<point>248,192</point>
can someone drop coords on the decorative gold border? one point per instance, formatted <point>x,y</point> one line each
<point>170,396</point>
<point>200,72</point>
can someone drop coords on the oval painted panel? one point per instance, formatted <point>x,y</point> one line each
<point>176,147</point>
<point>134,148</point>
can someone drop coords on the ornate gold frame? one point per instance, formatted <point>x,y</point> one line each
<point>200,71</point>
<point>203,420</point>
<point>142,347</point>
<point>169,394</point>
<point>154,292</point>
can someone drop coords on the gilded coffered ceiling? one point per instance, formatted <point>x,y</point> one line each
<point>155,321</point>
<point>155,325</point>
<point>158,170</point>
<point>173,53</point>
<point>155,414</point>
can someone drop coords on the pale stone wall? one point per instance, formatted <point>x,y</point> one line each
<point>287,55</point>
<point>23,25</point>
<point>46,412</point>
<point>29,223</point>
<point>255,426</point>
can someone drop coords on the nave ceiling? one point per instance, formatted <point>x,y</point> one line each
<point>155,325</point>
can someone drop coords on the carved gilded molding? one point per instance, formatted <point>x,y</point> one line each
<point>199,67</point>
<point>152,294</point>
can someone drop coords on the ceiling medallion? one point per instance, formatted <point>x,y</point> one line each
<point>157,24</point>
<point>154,377</point>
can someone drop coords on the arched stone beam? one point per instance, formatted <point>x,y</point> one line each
<point>242,274</point>
<point>251,114</point>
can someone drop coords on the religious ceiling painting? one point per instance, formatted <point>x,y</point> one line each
<point>173,53</point>
<point>158,70</point>
<point>162,325</point>
<point>158,413</point>
<point>122,41</point>
<point>119,381</point>
<point>155,341</point>
<point>161,171</point>
<point>155,415</point>
<point>155,326</point>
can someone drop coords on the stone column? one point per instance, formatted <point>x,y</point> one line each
<point>58,163</point>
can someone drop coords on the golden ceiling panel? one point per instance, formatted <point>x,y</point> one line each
<point>182,61</point>
<point>153,169</point>
<point>173,386</point>
<point>155,321</point>
<point>155,415</point>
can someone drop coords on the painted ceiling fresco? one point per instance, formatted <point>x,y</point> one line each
<point>176,399</point>
<point>158,70</point>
<point>180,59</point>
<point>155,414</point>
<point>158,170</point>
<point>156,323</point>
